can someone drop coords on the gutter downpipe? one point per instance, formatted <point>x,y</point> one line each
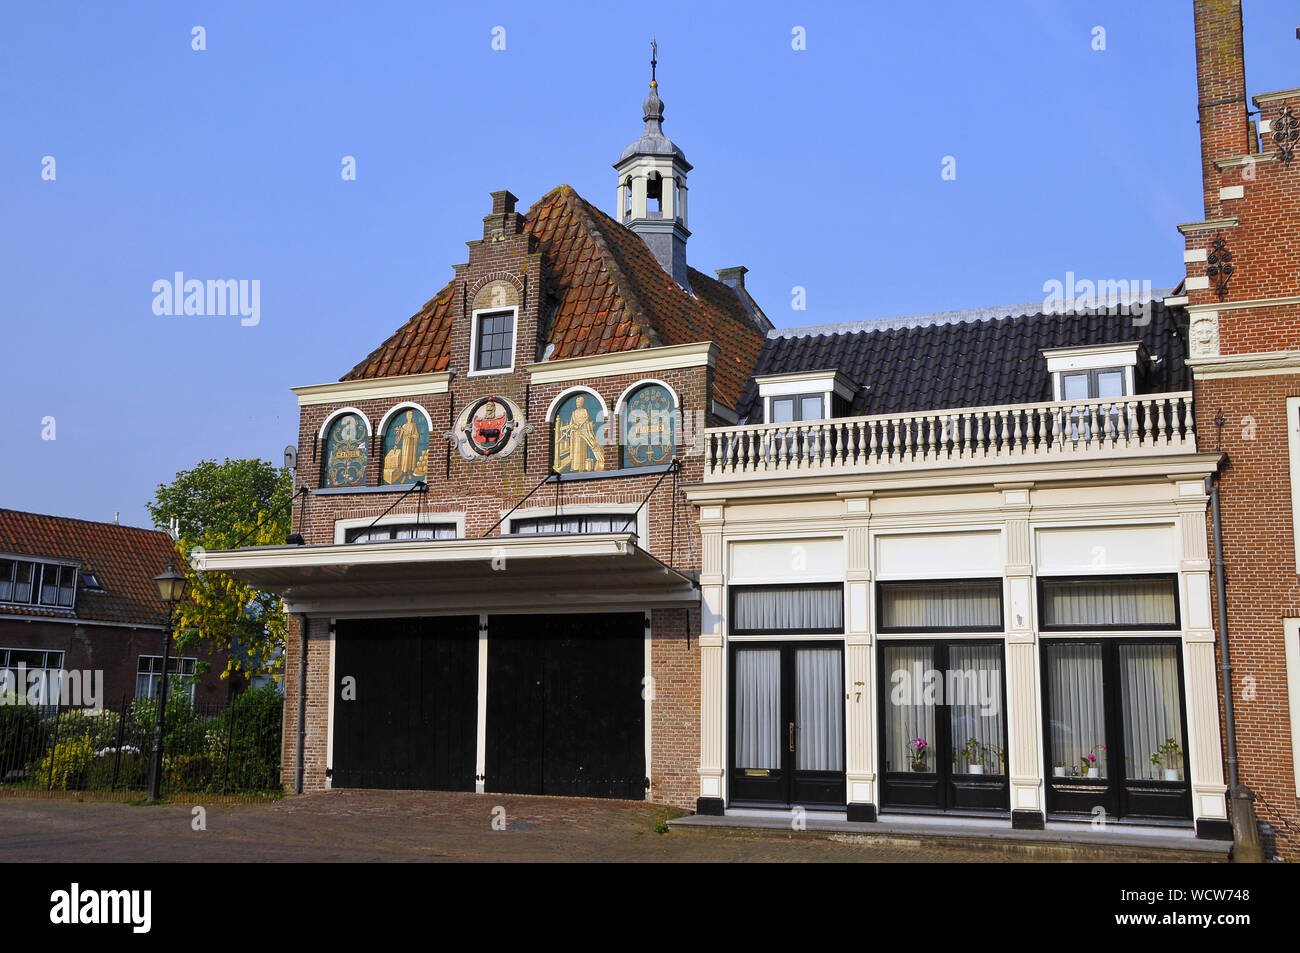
<point>302,705</point>
<point>1245,828</point>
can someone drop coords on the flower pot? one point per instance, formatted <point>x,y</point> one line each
<point>1058,771</point>
<point>918,764</point>
<point>975,769</point>
<point>1171,774</point>
<point>1092,773</point>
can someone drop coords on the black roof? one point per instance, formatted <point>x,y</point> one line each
<point>971,363</point>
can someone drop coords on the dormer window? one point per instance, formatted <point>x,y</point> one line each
<point>1099,371</point>
<point>493,344</point>
<point>811,395</point>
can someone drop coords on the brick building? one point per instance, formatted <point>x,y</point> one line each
<point>1242,294</point>
<point>78,596</point>
<point>588,524</point>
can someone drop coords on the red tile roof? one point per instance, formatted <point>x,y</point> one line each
<point>612,296</point>
<point>124,558</point>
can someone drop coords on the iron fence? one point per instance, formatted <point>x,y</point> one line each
<point>207,749</point>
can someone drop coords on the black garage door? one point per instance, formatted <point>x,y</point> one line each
<point>565,711</point>
<point>413,721</point>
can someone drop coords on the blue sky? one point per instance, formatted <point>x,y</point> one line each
<point>818,168</point>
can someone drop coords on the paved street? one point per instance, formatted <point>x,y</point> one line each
<point>406,826</point>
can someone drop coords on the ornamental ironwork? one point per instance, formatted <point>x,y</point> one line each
<point>1286,133</point>
<point>1220,267</point>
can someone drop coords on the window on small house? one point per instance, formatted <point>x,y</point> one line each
<point>941,606</point>
<point>792,408</point>
<point>149,674</point>
<point>1092,384</point>
<point>57,584</point>
<point>576,524</point>
<point>815,607</point>
<point>26,583</point>
<point>400,531</point>
<point>90,581</point>
<point>1110,602</point>
<point>32,673</point>
<point>494,346</point>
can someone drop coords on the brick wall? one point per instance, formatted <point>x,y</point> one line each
<point>1259,548</point>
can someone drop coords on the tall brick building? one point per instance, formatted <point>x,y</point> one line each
<point>588,524</point>
<point>1243,300</point>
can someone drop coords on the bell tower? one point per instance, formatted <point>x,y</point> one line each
<point>652,186</point>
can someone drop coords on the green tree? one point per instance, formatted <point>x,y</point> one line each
<point>222,506</point>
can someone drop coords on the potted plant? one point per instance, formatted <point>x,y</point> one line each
<point>919,748</point>
<point>973,752</point>
<point>1058,771</point>
<point>1168,754</point>
<point>1091,766</point>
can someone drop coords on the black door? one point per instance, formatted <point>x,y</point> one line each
<point>943,726</point>
<point>1114,728</point>
<point>405,703</point>
<point>787,724</point>
<point>565,709</point>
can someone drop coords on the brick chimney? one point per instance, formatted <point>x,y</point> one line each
<point>504,220</point>
<point>1221,91</point>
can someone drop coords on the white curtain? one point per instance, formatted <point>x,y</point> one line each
<point>819,709</point>
<point>758,709</point>
<point>1118,602</point>
<point>1076,706</point>
<point>909,714</point>
<point>907,606</point>
<point>974,685</point>
<point>1148,678</point>
<point>805,608</point>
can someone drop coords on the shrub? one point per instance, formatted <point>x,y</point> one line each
<point>23,737</point>
<point>72,759</point>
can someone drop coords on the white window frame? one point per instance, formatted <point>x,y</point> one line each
<point>642,529</point>
<point>177,661</point>
<point>341,527</point>
<point>50,681</point>
<point>1291,635</point>
<point>39,566</point>
<point>1293,447</point>
<point>473,341</point>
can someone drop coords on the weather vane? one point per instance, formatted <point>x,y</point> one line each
<point>654,53</point>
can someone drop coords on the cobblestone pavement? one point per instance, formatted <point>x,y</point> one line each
<point>406,826</point>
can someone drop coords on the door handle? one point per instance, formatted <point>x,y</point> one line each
<point>792,737</point>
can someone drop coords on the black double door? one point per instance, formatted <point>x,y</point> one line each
<point>787,724</point>
<point>1114,728</point>
<point>405,703</point>
<point>943,726</point>
<point>566,705</point>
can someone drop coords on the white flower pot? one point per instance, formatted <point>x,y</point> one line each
<point>975,769</point>
<point>1058,771</point>
<point>1092,773</point>
<point>1171,774</point>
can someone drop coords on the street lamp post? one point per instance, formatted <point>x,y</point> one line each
<point>171,589</point>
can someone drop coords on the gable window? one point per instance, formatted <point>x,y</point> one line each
<point>493,342</point>
<point>803,608</point>
<point>805,395</point>
<point>32,673</point>
<point>649,420</point>
<point>1109,602</point>
<point>400,531</point>
<point>406,447</point>
<point>797,407</point>
<point>346,438</point>
<point>25,582</point>
<point>149,674</point>
<point>1095,372</point>
<point>941,606</point>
